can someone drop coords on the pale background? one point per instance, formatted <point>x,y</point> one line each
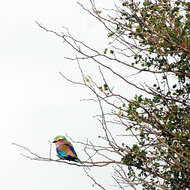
<point>36,103</point>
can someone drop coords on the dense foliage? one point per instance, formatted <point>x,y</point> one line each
<point>161,158</point>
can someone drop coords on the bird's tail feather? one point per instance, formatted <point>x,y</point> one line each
<point>79,161</point>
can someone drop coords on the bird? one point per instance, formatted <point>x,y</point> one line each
<point>65,149</point>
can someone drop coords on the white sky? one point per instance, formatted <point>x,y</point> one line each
<point>36,104</point>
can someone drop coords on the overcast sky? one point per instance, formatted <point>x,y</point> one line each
<point>36,104</point>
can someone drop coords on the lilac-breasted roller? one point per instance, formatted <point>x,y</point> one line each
<point>65,149</point>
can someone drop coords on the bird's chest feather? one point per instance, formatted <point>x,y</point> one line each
<point>64,149</point>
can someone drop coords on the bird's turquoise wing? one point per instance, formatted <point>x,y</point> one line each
<point>61,153</point>
<point>64,150</point>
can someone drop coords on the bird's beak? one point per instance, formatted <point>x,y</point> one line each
<point>54,141</point>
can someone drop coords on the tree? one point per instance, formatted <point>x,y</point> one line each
<point>147,37</point>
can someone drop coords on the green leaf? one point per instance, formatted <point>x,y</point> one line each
<point>105,51</point>
<point>111,51</point>
<point>106,87</point>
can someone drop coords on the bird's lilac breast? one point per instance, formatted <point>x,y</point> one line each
<point>59,143</point>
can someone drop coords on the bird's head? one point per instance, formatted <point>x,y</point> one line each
<point>58,138</point>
